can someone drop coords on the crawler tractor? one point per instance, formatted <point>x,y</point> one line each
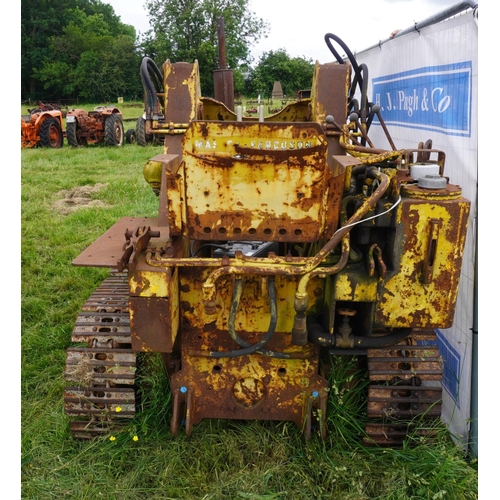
<point>43,128</point>
<point>103,125</point>
<point>281,242</point>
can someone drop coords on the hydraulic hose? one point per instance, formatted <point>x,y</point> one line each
<point>247,347</point>
<point>363,68</point>
<point>317,335</point>
<point>151,78</point>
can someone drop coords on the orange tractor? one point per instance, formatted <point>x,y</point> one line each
<point>102,125</point>
<point>44,127</point>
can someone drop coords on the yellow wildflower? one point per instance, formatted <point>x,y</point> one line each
<point>118,409</point>
<point>112,438</point>
<point>136,438</point>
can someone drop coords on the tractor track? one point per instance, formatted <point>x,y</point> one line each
<point>404,395</point>
<point>100,366</point>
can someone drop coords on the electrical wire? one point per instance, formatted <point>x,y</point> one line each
<point>372,217</point>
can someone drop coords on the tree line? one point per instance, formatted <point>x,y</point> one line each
<point>79,50</point>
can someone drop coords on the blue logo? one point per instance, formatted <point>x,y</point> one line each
<point>436,98</point>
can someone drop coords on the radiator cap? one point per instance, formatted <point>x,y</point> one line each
<point>432,182</point>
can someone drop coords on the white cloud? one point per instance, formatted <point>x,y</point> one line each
<point>300,29</point>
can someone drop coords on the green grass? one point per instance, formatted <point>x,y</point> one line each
<point>221,459</point>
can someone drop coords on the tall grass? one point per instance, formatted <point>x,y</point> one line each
<point>221,459</point>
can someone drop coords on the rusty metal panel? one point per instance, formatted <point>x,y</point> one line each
<point>253,313</point>
<point>173,197</point>
<point>405,362</point>
<point>353,285</point>
<point>154,309</point>
<point>246,387</point>
<point>294,112</point>
<point>224,87</point>
<point>327,102</point>
<point>430,238</point>
<point>395,434</point>
<point>99,401</point>
<point>115,366</point>
<point>107,250</point>
<point>215,110</point>
<point>263,182</point>
<point>103,328</point>
<point>182,91</point>
<point>153,324</point>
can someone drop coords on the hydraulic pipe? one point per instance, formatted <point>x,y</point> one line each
<point>209,285</point>
<point>317,335</point>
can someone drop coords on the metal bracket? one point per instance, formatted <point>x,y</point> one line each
<point>136,241</point>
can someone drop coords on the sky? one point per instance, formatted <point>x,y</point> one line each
<point>300,29</point>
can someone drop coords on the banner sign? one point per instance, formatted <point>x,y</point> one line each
<point>426,83</point>
<point>437,98</point>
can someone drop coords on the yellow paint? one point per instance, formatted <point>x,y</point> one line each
<point>175,194</point>
<point>152,173</point>
<point>150,284</point>
<point>359,288</point>
<point>253,314</point>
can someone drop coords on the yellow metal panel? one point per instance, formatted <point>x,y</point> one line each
<point>254,313</point>
<point>154,310</point>
<point>258,182</point>
<point>422,293</point>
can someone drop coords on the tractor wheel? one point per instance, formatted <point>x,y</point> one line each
<point>51,135</point>
<point>130,136</point>
<point>141,131</point>
<point>113,130</point>
<point>72,135</point>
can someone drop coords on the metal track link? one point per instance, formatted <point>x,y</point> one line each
<point>101,371</point>
<point>405,390</point>
<point>393,434</point>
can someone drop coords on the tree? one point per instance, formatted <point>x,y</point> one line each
<point>77,48</point>
<point>185,30</point>
<point>293,73</point>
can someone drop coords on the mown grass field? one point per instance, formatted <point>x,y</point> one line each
<point>222,459</point>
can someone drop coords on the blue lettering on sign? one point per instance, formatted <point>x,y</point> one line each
<point>451,360</point>
<point>437,98</point>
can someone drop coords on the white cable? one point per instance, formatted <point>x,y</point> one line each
<point>372,217</point>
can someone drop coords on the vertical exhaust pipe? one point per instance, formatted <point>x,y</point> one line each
<point>223,78</point>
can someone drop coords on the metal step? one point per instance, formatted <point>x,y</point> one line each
<point>102,401</point>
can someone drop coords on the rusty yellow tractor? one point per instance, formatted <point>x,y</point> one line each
<point>281,241</point>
